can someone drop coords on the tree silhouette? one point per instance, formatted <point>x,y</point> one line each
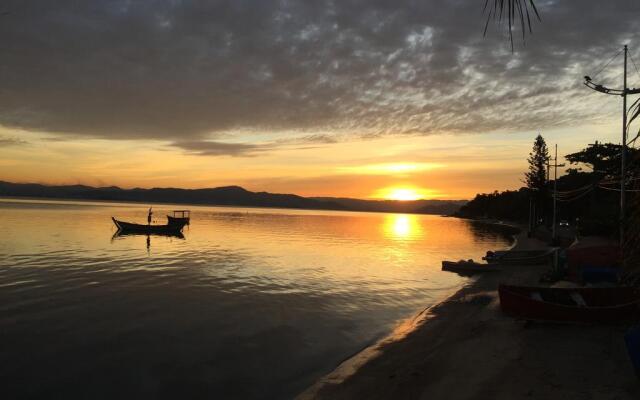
<point>536,176</point>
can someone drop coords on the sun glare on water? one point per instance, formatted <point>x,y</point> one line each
<point>402,227</point>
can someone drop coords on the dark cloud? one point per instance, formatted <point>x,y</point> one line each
<point>218,148</point>
<point>321,138</point>
<point>6,141</point>
<point>186,71</point>
<point>212,148</point>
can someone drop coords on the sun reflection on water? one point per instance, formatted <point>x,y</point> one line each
<point>256,272</point>
<point>402,226</point>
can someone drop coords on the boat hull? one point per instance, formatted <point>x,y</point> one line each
<point>128,227</point>
<point>175,220</point>
<point>573,305</point>
<point>510,257</point>
<point>121,234</point>
<point>468,267</point>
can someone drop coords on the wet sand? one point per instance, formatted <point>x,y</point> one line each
<point>465,348</point>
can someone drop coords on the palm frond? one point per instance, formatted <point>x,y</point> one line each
<point>511,12</point>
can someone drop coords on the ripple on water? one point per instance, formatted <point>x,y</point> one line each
<point>251,304</point>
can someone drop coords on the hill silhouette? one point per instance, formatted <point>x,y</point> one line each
<point>224,196</point>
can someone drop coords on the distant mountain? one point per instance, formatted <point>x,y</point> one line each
<point>228,195</point>
<point>441,207</point>
<point>225,196</point>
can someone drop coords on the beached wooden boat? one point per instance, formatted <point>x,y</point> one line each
<point>169,228</point>
<point>581,305</point>
<point>514,257</point>
<point>467,266</point>
<point>179,216</point>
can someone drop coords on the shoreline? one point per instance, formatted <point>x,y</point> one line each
<point>196,204</point>
<point>465,348</point>
<point>351,364</point>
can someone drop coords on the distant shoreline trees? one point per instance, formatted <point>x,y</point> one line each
<point>585,197</point>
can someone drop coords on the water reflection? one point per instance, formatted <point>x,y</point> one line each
<point>402,227</point>
<point>256,303</point>
<point>123,234</point>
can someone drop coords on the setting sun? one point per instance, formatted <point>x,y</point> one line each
<point>404,193</point>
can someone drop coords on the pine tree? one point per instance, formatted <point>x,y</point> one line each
<point>536,177</point>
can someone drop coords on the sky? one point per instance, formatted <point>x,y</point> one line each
<point>350,98</point>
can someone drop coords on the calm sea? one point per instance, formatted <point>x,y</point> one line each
<point>251,303</point>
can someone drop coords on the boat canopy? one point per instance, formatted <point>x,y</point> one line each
<point>181,213</point>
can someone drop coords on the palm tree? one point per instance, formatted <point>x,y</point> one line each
<point>519,12</point>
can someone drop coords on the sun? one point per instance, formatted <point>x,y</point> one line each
<point>404,193</point>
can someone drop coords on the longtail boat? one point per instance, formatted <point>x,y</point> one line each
<point>467,267</point>
<point>179,216</point>
<point>525,257</point>
<point>121,234</point>
<point>574,305</point>
<point>175,227</point>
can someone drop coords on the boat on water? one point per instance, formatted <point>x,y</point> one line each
<point>468,266</point>
<point>178,216</point>
<point>570,305</point>
<point>122,234</point>
<point>169,228</point>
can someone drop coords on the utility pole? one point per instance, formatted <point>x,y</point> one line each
<point>623,156</point>
<point>555,192</point>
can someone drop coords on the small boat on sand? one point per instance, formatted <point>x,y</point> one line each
<point>632,340</point>
<point>169,228</point>
<point>469,266</point>
<point>574,305</point>
<point>519,257</point>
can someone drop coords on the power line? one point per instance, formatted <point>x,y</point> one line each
<point>618,190</point>
<point>569,192</point>
<point>607,64</point>
<point>576,197</point>
<point>634,65</point>
<point>617,181</point>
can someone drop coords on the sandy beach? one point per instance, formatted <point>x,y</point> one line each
<point>465,348</point>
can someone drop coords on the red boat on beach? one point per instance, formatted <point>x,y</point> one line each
<point>574,305</point>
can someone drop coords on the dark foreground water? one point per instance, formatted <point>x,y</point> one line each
<point>252,303</point>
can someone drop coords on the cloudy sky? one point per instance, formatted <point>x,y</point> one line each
<point>344,97</point>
